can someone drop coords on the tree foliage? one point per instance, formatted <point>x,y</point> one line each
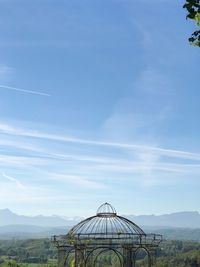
<point>41,253</point>
<point>193,12</point>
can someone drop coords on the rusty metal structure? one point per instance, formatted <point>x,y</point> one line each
<point>106,232</point>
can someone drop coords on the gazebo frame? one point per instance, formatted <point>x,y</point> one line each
<point>105,232</point>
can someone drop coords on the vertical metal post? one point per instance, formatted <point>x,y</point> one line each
<point>133,258</point>
<point>79,258</point>
<point>128,254</point>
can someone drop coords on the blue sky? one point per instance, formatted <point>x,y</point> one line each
<point>99,101</point>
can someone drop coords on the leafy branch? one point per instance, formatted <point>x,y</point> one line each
<point>193,9</point>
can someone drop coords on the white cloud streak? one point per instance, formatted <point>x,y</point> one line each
<point>7,129</point>
<point>23,90</point>
<point>100,166</point>
<point>14,180</point>
<point>141,162</point>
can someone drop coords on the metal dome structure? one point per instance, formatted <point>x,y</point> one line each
<point>104,226</point>
<point>105,232</point>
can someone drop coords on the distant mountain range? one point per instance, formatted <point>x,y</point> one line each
<point>8,217</point>
<point>187,219</point>
<point>180,225</point>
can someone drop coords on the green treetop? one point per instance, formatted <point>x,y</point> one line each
<point>193,12</point>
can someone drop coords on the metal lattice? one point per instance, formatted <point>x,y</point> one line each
<point>103,232</point>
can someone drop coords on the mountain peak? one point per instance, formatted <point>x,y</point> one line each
<point>6,211</point>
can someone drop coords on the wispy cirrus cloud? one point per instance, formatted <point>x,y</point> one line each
<point>91,165</point>
<point>15,131</point>
<point>20,90</point>
<point>85,167</point>
<point>13,180</point>
<point>67,162</point>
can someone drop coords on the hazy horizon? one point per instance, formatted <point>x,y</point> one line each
<point>94,212</point>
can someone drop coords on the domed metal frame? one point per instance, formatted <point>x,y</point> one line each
<point>102,233</point>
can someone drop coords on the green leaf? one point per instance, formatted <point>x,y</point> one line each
<point>191,39</point>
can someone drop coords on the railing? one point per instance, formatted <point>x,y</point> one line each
<point>108,239</point>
